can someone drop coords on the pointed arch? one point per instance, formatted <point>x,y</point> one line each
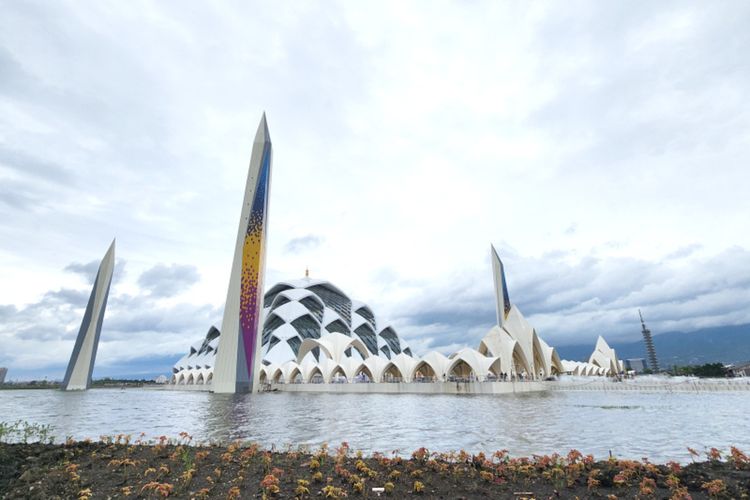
<point>295,376</point>
<point>361,370</point>
<point>316,376</point>
<point>540,364</point>
<point>496,369</point>
<point>338,375</point>
<point>391,373</point>
<point>520,363</point>
<point>424,372</point>
<point>461,369</point>
<point>309,345</point>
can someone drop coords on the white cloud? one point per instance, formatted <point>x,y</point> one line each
<point>407,137</point>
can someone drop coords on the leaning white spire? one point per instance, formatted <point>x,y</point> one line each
<point>238,358</point>
<point>81,365</point>
<point>502,300</point>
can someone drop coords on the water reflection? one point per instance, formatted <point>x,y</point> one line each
<point>630,424</point>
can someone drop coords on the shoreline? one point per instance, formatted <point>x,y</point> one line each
<point>498,388</point>
<point>114,468</point>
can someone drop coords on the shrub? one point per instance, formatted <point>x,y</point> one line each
<point>714,488</point>
<point>418,487</point>
<point>332,492</point>
<point>647,486</point>
<point>270,484</point>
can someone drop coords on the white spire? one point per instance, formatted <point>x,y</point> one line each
<point>502,300</point>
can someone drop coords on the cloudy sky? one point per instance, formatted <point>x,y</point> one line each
<point>603,147</point>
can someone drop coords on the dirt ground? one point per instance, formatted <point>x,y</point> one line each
<point>116,468</point>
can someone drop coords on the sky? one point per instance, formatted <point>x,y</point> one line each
<point>602,147</point>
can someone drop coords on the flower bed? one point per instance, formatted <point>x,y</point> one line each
<point>122,468</point>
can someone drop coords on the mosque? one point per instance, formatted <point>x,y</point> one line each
<point>309,335</point>
<point>313,333</point>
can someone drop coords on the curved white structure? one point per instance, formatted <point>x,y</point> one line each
<point>520,351</point>
<point>81,364</point>
<point>313,333</point>
<point>605,358</point>
<point>307,323</point>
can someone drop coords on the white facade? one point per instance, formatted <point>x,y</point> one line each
<point>313,333</point>
<point>308,323</point>
<point>81,364</point>
<point>605,357</point>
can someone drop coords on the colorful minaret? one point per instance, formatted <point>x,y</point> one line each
<point>81,364</point>
<point>238,359</point>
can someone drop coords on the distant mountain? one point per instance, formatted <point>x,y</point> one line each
<point>725,344</point>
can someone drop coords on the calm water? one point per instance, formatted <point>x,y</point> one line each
<point>630,424</point>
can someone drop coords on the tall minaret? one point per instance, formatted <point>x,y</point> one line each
<point>81,364</point>
<point>502,300</point>
<point>650,350</point>
<point>237,366</point>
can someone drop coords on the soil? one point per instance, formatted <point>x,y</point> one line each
<point>176,469</point>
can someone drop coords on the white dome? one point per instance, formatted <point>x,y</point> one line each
<point>297,310</point>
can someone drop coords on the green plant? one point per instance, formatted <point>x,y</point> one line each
<point>187,458</point>
<point>26,432</point>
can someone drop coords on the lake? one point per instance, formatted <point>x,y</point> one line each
<point>630,424</point>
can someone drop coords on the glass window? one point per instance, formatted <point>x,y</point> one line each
<point>386,351</point>
<point>368,337</point>
<point>294,343</point>
<point>335,301</point>
<point>315,307</point>
<point>367,314</point>
<point>272,293</point>
<point>338,326</point>
<point>280,302</point>
<point>274,340</point>
<point>392,339</point>
<point>307,327</point>
<point>271,324</point>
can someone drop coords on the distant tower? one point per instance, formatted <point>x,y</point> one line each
<point>238,360</point>
<point>652,361</point>
<point>81,364</point>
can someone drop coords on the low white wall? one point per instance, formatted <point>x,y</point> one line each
<point>184,387</point>
<point>705,385</point>
<point>418,388</point>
